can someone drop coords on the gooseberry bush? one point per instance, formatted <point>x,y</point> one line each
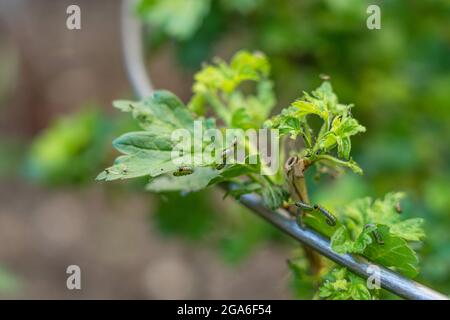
<point>315,131</point>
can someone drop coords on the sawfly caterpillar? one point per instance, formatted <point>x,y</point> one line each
<point>225,154</point>
<point>183,171</point>
<point>304,206</point>
<point>375,233</point>
<point>330,219</point>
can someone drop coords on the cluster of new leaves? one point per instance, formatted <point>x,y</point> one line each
<point>338,126</point>
<point>334,283</point>
<point>217,86</point>
<point>375,229</point>
<point>340,284</point>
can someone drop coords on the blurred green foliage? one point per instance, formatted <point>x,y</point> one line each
<point>73,147</point>
<point>189,216</point>
<point>9,283</point>
<point>343,285</point>
<point>66,150</point>
<point>229,227</point>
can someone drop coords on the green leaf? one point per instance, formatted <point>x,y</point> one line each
<point>358,288</point>
<point>226,77</point>
<point>143,141</point>
<point>287,122</point>
<point>363,240</point>
<point>162,112</point>
<point>274,196</point>
<point>342,128</point>
<point>363,217</point>
<point>304,108</point>
<point>394,253</point>
<point>410,229</point>
<point>235,170</point>
<point>325,99</point>
<point>146,154</point>
<point>151,152</point>
<point>341,241</point>
<point>331,161</point>
<point>322,102</point>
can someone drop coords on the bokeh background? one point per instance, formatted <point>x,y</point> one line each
<point>57,123</point>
